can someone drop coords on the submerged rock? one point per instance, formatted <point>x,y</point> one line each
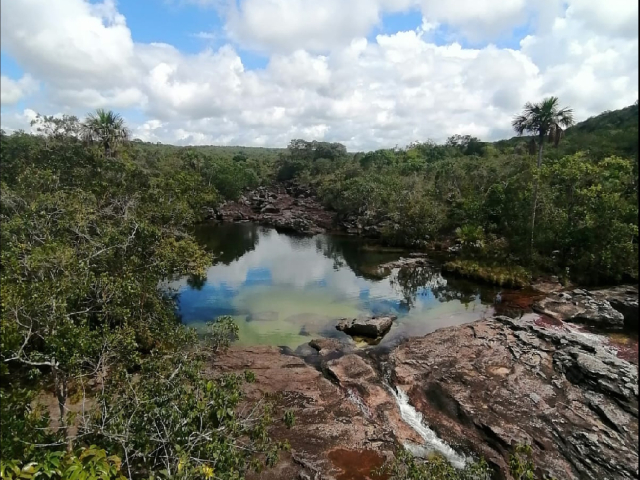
<point>581,306</point>
<point>372,327</point>
<point>417,260</point>
<point>495,383</point>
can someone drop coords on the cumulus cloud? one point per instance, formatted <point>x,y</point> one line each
<point>71,43</point>
<point>19,120</point>
<point>12,91</point>
<point>324,79</point>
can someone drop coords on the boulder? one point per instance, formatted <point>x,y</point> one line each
<point>372,327</point>
<point>580,306</point>
<point>624,299</point>
<point>270,208</point>
<point>325,345</point>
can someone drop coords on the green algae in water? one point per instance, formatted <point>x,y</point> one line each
<point>284,290</point>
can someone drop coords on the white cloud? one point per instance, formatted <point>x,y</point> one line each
<point>19,121</point>
<point>12,91</point>
<point>286,25</point>
<point>615,17</point>
<point>69,43</point>
<point>394,89</point>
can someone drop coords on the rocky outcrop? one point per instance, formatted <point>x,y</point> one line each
<point>489,385</point>
<point>547,285</point>
<point>343,427</point>
<point>624,299</point>
<point>366,224</point>
<point>286,207</point>
<point>581,306</point>
<point>371,327</point>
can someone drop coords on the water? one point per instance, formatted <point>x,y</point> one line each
<point>284,290</point>
<point>432,443</point>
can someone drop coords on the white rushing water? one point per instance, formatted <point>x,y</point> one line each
<point>431,441</point>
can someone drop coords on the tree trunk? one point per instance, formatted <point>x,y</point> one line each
<point>61,387</point>
<point>535,194</point>
<point>540,151</point>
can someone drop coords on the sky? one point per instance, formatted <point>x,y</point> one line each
<point>366,73</point>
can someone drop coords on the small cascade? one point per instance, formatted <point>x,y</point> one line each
<point>432,443</point>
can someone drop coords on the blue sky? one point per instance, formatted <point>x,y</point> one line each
<point>367,73</point>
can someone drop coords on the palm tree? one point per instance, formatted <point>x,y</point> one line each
<point>542,120</point>
<point>106,128</point>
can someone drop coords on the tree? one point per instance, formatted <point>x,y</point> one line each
<point>106,128</point>
<point>466,144</point>
<point>543,120</point>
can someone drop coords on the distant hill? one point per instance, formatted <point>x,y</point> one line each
<point>258,153</point>
<point>610,133</point>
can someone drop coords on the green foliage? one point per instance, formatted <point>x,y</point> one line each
<point>106,128</point>
<point>521,464</point>
<point>23,423</point>
<point>591,214</point>
<point>89,239</point>
<point>585,202</point>
<point>317,157</point>
<point>289,419</point>
<point>87,464</point>
<point>221,333</point>
<point>167,417</point>
<point>407,467</point>
<point>506,276</point>
<point>544,120</point>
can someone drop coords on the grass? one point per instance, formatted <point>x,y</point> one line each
<point>504,276</point>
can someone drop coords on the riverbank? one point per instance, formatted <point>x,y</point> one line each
<point>292,208</point>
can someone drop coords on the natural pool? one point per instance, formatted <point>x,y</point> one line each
<point>284,290</point>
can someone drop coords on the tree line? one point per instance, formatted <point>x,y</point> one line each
<point>552,200</point>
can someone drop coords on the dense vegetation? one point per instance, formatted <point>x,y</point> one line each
<point>579,194</point>
<point>93,357</point>
<point>98,375</point>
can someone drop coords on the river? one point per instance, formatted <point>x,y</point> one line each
<point>283,289</point>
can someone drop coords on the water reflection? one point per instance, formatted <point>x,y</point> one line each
<point>283,289</point>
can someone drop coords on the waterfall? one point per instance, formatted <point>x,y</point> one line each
<point>431,441</point>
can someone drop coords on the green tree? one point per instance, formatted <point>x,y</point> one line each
<point>543,120</point>
<point>107,129</point>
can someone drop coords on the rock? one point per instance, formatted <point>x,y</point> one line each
<point>624,299</point>
<point>328,417</point>
<point>581,307</point>
<point>277,207</point>
<point>547,286</point>
<point>455,249</point>
<point>326,345</point>
<point>414,261</point>
<point>561,392</point>
<point>270,208</point>
<point>372,327</point>
<point>305,350</point>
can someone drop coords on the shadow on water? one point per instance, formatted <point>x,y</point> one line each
<point>283,290</point>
